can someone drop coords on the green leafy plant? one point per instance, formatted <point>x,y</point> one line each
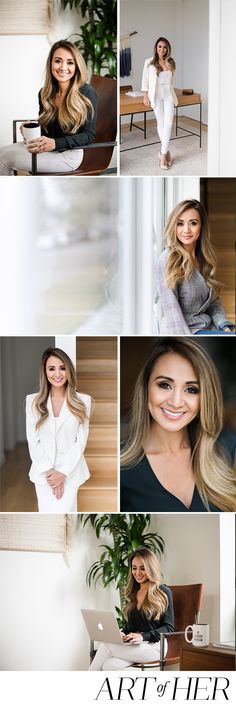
<point>97,36</point>
<point>127,532</point>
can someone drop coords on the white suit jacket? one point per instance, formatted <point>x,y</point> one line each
<point>149,82</point>
<point>66,443</point>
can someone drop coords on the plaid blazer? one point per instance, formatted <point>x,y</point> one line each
<point>189,307</point>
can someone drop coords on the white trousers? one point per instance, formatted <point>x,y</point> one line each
<point>115,657</point>
<point>164,112</point>
<point>47,501</point>
<point>17,157</point>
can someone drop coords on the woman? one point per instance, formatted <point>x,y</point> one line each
<point>158,88</point>
<point>57,424</point>
<point>177,458</point>
<point>187,287</point>
<point>148,611</point>
<point>67,107</point>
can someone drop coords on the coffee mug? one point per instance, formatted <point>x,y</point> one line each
<point>31,131</point>
<point>200,635</point>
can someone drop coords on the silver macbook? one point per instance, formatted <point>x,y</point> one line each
<point>102,626</point>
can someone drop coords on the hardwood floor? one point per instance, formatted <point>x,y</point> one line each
<point>17,492</point>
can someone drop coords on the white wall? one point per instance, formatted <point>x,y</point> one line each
<point>195,45</point>
<point>19,376</point>
<point>41,624</point>
<point>192,555</point>
<point>185,24</point>
<point>222,96</point>
<point>25,57</point>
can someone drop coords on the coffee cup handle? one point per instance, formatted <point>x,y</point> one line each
<point>186,634</point>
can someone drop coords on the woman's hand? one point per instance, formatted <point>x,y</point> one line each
<point>146,99</point>
<point>58,491</point>
<point>54,478</point>
<point>133,638</point>
<point>41,144</point>
<point>227,329</point>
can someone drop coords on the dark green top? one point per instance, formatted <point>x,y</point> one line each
<point>151,628</point>
<point>142,491</point>
<point>86,133</point>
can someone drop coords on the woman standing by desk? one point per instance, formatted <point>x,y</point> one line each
<point>158,88</point>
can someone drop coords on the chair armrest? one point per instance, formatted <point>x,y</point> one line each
<point>84,147</point>
<point>14,124</point>
<point>164,635</point>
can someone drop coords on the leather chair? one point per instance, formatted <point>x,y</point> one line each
<point>97,155</point>
<point>187,600</point>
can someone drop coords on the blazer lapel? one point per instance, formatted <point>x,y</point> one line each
<point>64,413</point>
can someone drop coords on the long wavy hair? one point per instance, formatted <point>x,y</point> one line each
<point>75,107</point>
<point>214,478</point>
<point>74,403</point>
<point>170,62</point>
<point>179,266</point>
<point>156,600</point>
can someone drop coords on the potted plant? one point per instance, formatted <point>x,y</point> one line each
<point>127,532</point>
<point>97,36</point>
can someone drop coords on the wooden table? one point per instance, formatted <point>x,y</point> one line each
<point>131,106</point>
<point>207,659</point>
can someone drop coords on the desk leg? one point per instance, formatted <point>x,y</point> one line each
<point>200,124</point>
<point>145,124</point>
<point>176,120</point>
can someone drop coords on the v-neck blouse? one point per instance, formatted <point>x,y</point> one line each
<point>141,490</point>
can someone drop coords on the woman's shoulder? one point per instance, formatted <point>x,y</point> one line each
<point>30,398</point>
<point>164,256</point>
<point>88,91</point>
<point>167,590</point>
<point>85,397</point>
<point>227,441</point>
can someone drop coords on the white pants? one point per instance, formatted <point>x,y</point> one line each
<point>17,157</point>
<point>164,112</point>
<point>47,501</point>
<point>115,657</point>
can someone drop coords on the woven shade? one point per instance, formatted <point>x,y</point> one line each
<point>25,16</point>
<point>33,532</point>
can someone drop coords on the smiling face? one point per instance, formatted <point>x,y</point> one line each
<point>188,227</point>
<point>63,65</point>
<point>138,570</point>
<point>173,392</point>
<point>162,49</point>
<point>56,372</point>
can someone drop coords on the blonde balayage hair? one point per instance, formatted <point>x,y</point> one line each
<point>75,405</point>
<point>156,600</point>
<point>215,479</point>
<point>170,63</point>
<point>179,266</point>
<point>75,107</point>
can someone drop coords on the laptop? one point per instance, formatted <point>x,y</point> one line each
<point>102,626</point>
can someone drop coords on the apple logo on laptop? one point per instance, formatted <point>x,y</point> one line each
<point>100,626</point>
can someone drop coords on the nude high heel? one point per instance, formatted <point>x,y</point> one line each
<point>161,165</point>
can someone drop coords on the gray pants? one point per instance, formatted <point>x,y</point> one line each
<point>17,157</point>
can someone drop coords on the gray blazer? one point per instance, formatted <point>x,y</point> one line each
<point>189,307</point>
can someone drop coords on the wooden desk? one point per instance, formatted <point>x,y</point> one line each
<point>134,105</point>
<point>207,659</point>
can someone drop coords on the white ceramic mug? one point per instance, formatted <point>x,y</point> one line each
<point>31,131</point>
<point>200,635</point>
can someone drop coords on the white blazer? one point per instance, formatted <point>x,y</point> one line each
<point>150,84</point>
<point>66,443</point>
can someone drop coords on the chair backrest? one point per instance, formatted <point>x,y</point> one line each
<point>187,600</point>
<point>98,159</point>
